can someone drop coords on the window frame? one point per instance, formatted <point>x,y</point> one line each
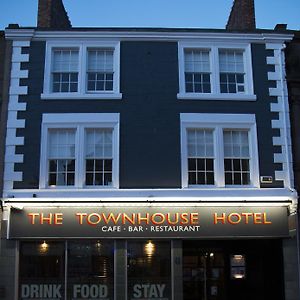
<point>80,122</point>
<point>219,122</point>
<point>213,49</point>
<point>82,92</point>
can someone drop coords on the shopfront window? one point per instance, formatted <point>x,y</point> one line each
<point>42,270</point>
<point>91,270</point>
<point>149,270</point>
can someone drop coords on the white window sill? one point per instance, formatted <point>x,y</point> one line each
<point>77,96</point>
<point>229,187</point>
<point>75,188</point>
<point>228,97</point>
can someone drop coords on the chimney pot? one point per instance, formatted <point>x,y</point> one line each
<point>280,27</point>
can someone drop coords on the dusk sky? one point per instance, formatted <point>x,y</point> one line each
<point>153,13</point>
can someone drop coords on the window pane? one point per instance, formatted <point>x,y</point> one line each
<point>236,157</point>
<point>100,60</point>
<point>42,264</point>
<point>62,143</point>
<point>91,270</point>
<point>231,71</point>
<point>197,71</point>
<point>149,270</point>
<point>61,157</point>
<point>231,61</point>
<point>200,155</point>
<point>65,60</point>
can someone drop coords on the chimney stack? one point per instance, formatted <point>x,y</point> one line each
<point>242,16</point>
<point>52,15</point>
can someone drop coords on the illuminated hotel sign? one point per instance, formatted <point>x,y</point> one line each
<point>148,222</point>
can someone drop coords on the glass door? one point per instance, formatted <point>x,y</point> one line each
<point>203,274</point>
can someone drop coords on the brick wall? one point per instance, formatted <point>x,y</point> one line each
<point>242,16</point>
<point>52,14</point>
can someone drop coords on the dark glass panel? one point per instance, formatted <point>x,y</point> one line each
<point>70,178</point>
<point>108,85</point>
<point>228,178</point>
<point>65,77</point>
<point>108,165</point>
<point>56,87</point>
<point>209,164</point>
<point>232,88</point>
<point>228,164</point>
<point>237,178</point>
<point>100,85</point>
<point>52,165</point>
<point>99,179</point>
<point>245,164</point>
<point>210,178</point>
<point>240,78</point>
<point>91,76</point>
<point>246,178</point>
<point>200,164</point>
<point>206,78</point>
<point>99,164</point>
<point>188,77</point>
<point>192,164</point>
<point>65,87</point>
<point>224,88</point>
<point>192,177</point>
<point>189,87</point>
<point>89,179</point>
<point>107,178</point>
<point>231,78</point>
<point>52,179</point>
<point>89,165</point>
<point>91,85</point>
<point>197,77</point>
<point>198,88</point>
<point>73,87</point>
<point>206,88</point>
<point>201,178</point>
<point>236,164</point>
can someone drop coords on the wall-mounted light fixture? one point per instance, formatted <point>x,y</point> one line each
<point>238,266</point>
<point>44,247</point>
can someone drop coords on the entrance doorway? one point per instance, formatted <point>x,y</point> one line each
<point>203,273</point>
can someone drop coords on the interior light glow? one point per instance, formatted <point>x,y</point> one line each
<point>149,249</point>
<point>44,247</point>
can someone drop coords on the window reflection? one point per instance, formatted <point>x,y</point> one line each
<point>42,270</point>
<point>90,270</point>
<point>149,270</point>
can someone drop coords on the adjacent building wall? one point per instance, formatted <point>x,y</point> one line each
<point>293,82</point>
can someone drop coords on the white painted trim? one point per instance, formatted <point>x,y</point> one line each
<point>213,47</point>
<point>82,93</point>
<point>218,122</point>
<point>14,106</point>
<point>282,108</point>
<point>76,96</point>
<point>184,195</point>
<point>149,34</point>
<point>212,119</point>
<point>80,118</point>
<point>80,121</point>
<point>211,97</point>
